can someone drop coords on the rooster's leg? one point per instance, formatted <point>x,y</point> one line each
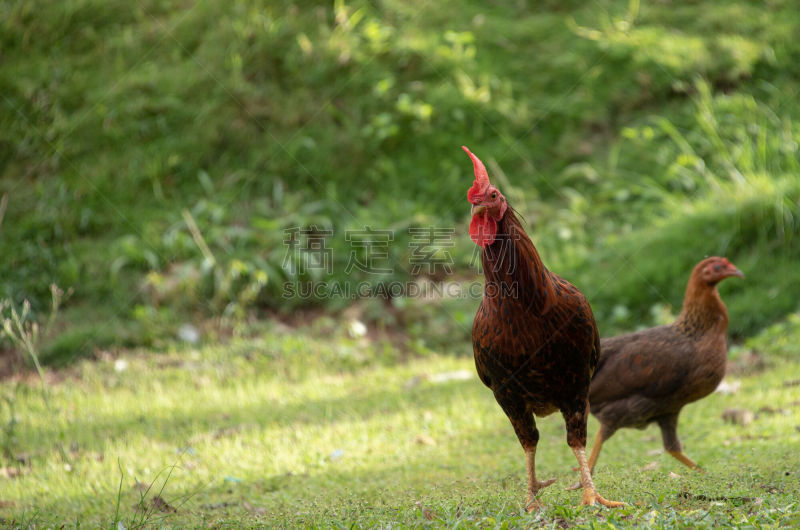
<point>603,434</point>
<point>669,435</point>
<point>576,439</point>
<point>528,435</point>
<point>534,485</point>
<point>590,495</point>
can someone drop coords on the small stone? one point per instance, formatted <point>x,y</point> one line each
<point>356,329</point>
<point>188,333</point>
<point>738,416</point>
<point>728,388</point>
<point>458,375</point>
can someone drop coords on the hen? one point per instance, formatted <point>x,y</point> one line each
<point>648,376</point>
<point>534,337</point>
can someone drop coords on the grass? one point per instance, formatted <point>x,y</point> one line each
<point>151,157</point>
<point>282,428</point>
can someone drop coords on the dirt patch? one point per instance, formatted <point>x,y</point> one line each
<point>749,363</point>
<point>10,363</point>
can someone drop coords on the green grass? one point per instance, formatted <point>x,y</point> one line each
<point>152,156</point>
<point>617,127</point>
<point>291,429</point>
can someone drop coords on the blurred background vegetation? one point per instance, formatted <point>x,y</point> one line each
<point>152,154</point>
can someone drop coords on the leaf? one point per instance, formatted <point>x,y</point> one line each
<point>424,439</point>
<point>649,467</point>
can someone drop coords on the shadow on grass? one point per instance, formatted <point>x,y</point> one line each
<point>399,491</point>
<point>177,426</point>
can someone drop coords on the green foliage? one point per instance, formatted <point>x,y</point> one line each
<point>780,339</point>
<point>753,224</point>
<point>154,155</point>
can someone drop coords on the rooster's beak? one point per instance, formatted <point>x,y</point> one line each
<point>477,209</point>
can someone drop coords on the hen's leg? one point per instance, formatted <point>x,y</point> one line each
<point>669,435</point>
<point>603,434</point>
<point>576,439</point>
<point>525,427</point>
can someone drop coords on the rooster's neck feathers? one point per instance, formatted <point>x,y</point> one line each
<point>703,309</point>
<point>513,267</point>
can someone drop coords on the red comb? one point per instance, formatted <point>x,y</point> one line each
<point>481,178</point>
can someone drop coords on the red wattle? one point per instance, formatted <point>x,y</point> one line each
<point>482,229</point>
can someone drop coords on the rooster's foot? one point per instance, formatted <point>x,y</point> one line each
<point>533,503</point>
<point>590,498</point>
<point>544,483</point>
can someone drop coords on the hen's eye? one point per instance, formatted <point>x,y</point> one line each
<point>716,268</point>
<point>494,195</point>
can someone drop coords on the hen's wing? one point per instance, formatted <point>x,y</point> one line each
<point>639,375</point>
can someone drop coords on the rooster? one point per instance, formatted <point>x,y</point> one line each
<point>534,337</point>
<point>648,376</point>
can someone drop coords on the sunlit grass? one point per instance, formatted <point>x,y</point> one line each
<point>253,440</point>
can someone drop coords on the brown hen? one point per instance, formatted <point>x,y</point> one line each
<point>649,376</point>
<point>534,336</point>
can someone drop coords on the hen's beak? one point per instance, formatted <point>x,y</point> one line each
<point>736,272</point>
<point>477,209</point>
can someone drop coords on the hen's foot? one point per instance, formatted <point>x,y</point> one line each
<point>573,487</point>
<point>681,457</point>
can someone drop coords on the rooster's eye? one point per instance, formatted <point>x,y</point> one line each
<point>494,195</point>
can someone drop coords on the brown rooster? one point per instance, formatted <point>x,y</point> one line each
<point>648,376</point>
<point>535,340</point>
